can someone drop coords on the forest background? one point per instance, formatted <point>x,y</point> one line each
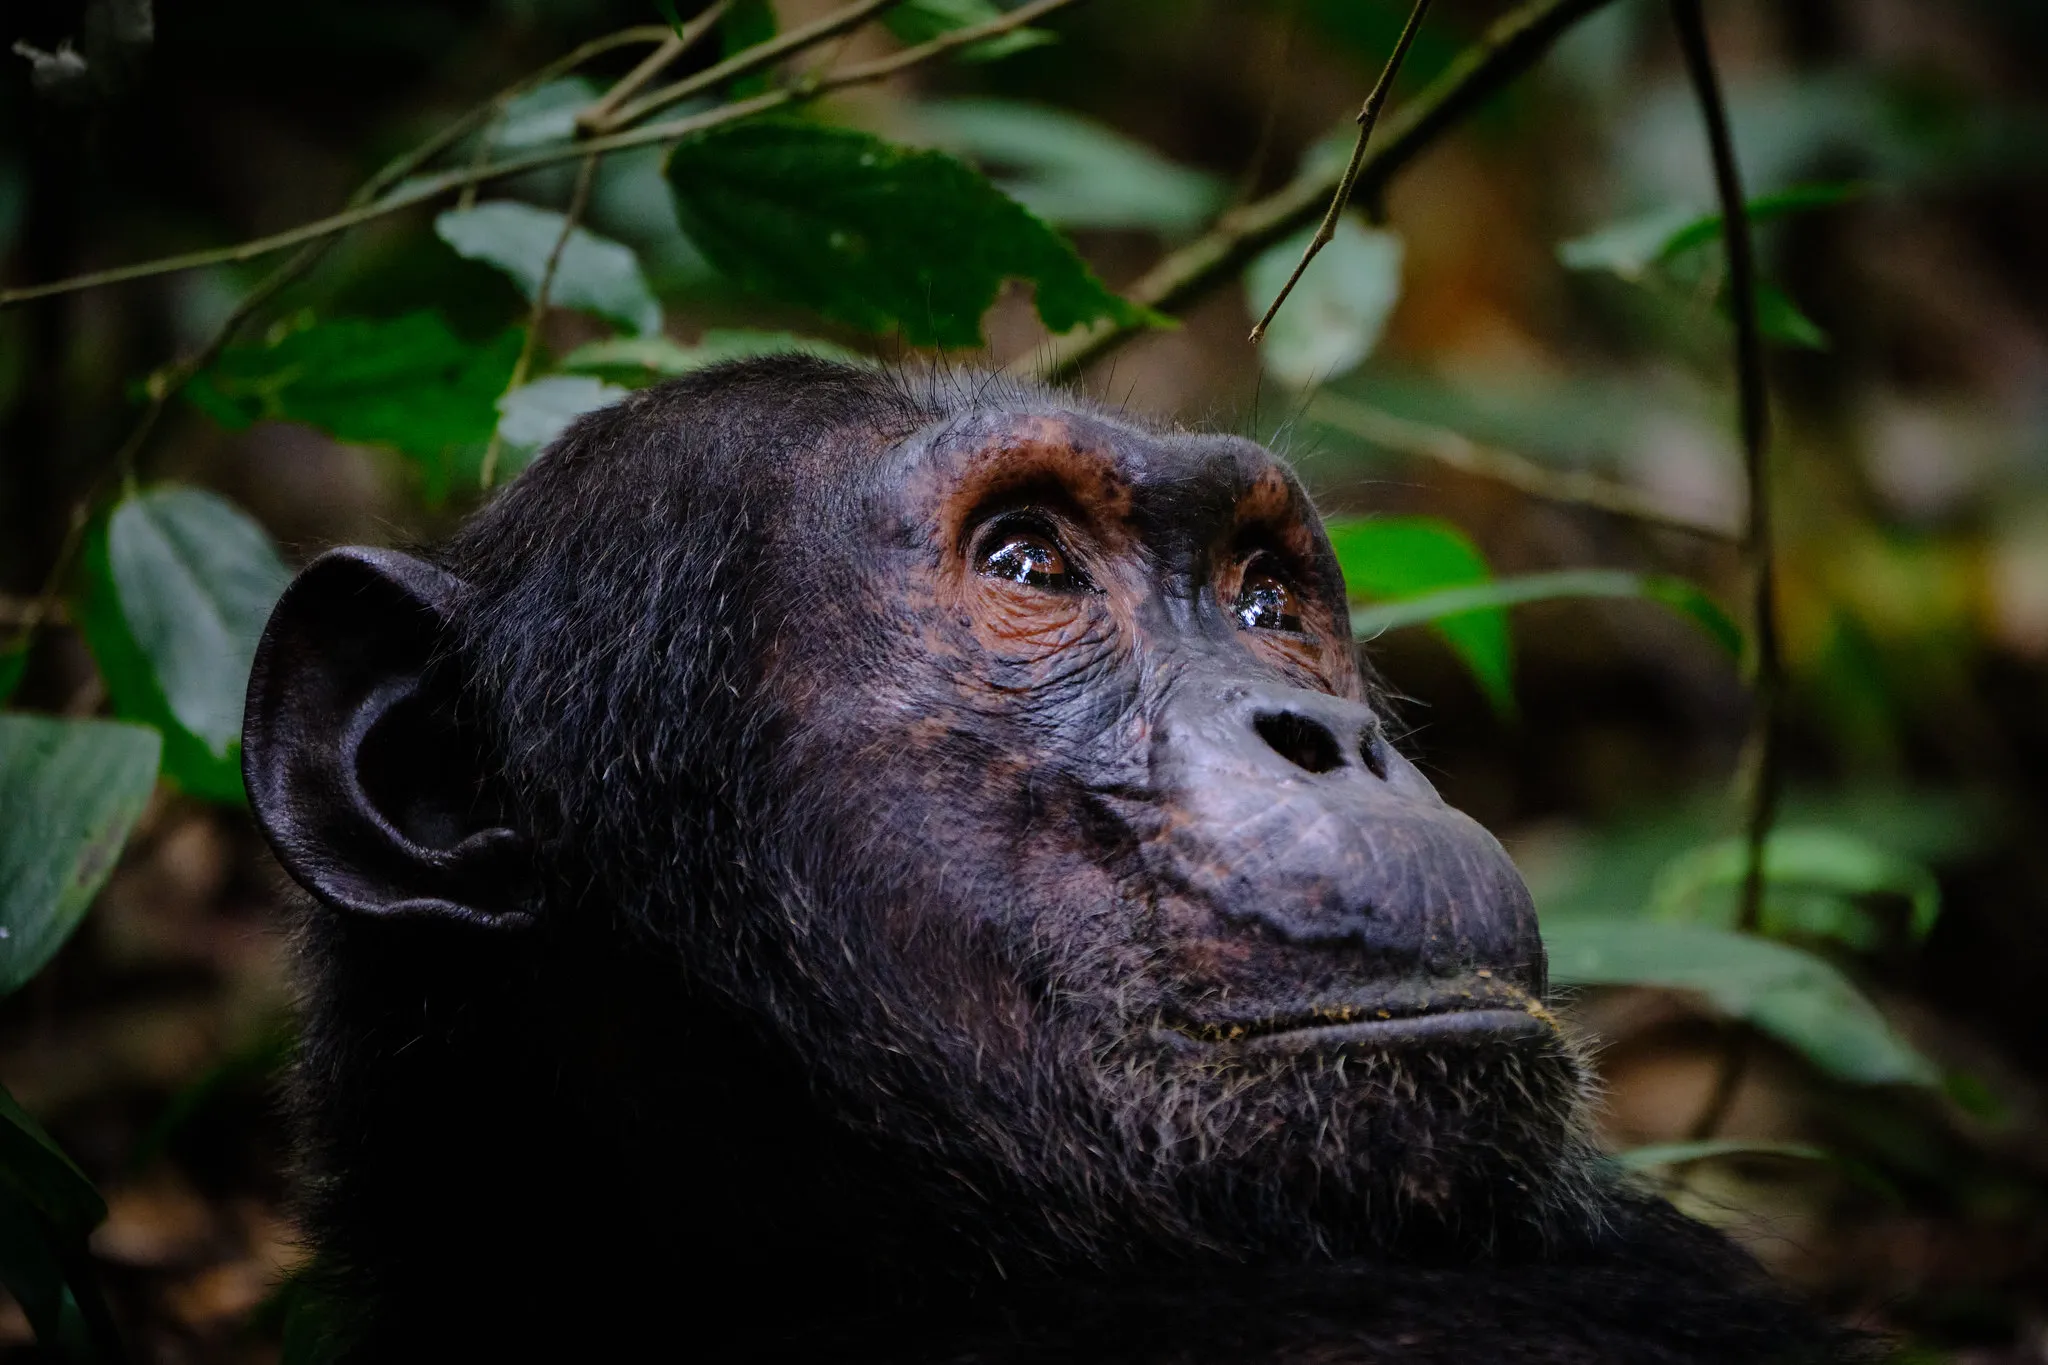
<point>1707,551</point>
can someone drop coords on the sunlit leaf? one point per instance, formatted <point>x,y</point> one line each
<point>1400,558</point>
<point>1681,596</point>
<point>593,273</point>
<point>1335,315</point>
<point>178,585</point>
<point>1801,1000</point>
<point>1070,170</point>
<point>70,790</point>
<point>920,21</point>
<point>1844,867</point>
<point>407,382</point>
<point>661,357</point>
<point>533,415</point>
<point>876,235</point>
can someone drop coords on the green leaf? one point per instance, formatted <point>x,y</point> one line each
<point>13,663</point>
<point>1415,557</point>
<point>662,357</point>
<point>667,10</point>
<point>1070,170</point>
<point>920,21</point>
<point>544,114</point>
<point>1630,247</point>
<point>1662,1154</point>
<point>1780,320</point>
<point>408,383</point>
<point>593,274</point>
<point>70,790</point>
<point>876,235</point>
<point>534,414</point>
<point>48,1180</point>
<point>1334,318</point>
<point>178,585</point>
<point>1763,209</point>
<point>1844,867</point>
<point>1680,595</point>
<point>1792,995</point>
<point>749,23</point>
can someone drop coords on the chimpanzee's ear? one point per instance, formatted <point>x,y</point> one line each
<point>369,788</point>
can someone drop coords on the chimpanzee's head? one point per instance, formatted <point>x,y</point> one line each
<point>1004,764</point>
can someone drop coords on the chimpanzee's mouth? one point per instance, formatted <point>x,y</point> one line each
<point>1475,1009</point>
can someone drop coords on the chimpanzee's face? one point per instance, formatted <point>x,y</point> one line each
<point>1126,822</point>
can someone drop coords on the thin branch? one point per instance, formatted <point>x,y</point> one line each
<point>755,58</point>
<point>1457,451</point>
<point>427,188</point>
<point>1762,757</point>
<point>1510,47</point>
<point>1368,116</point>
<point>579,199</point>
<point>601,116</point>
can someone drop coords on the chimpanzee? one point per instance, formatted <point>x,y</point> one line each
<point>838,864</point>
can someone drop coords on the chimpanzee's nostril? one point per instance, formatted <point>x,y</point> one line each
<point>1303,742</point>
<point>1372,751</point>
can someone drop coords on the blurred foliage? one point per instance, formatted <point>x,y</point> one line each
<point>1547,281</point>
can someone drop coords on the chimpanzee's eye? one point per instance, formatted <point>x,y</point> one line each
<point>1027,556</point>
<point>1267,601</point>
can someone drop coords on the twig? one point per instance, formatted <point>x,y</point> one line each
<point>1457,451</point>
<point>579,199</point>
<point>1758,549</point>
<point>1368,116</point>
<point>599,117</point>
<point>1511,46</point>
<point>427,188</point>
<point>753,59</point>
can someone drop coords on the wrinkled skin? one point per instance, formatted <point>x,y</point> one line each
<point>928,848</point>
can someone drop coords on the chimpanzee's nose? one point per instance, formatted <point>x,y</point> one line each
<point>1290,733</point>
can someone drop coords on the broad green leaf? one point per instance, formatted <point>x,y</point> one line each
<point>662,357</point>
<point>70,790</point>
<point>535,414</point>
<point>920,21</point>
<point>178,586</point>
<point>1676,593</point>
<point>1070,170</point>
<point>1841,866</point>
<point>1334,318</point>
<point>1661,1154</point>
<point>1400,558</point>
<point>667,10</point>
<point>879,236</point>
<point>593,274</point>
<point>408,383</point>
<point>1792,995</point>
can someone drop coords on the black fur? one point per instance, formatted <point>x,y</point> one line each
<point>717,940</point>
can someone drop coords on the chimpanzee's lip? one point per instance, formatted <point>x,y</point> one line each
<point>1492,1010</point>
